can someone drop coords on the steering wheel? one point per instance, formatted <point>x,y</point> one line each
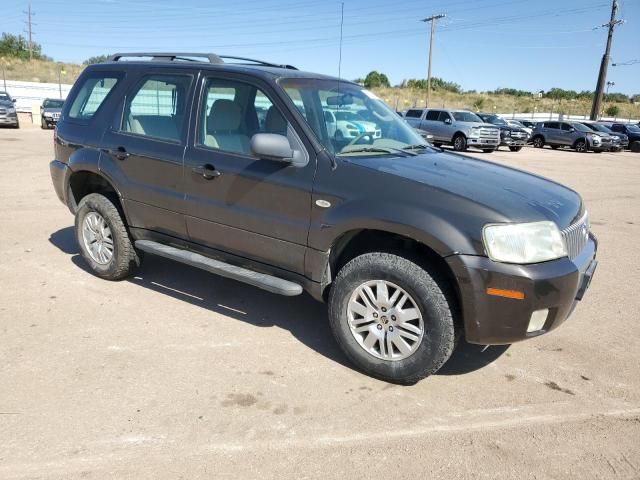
<point>360,137</point>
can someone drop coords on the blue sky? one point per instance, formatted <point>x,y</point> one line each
<point>481,45</point>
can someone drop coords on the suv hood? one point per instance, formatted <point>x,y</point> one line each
<point>505,194</point>
<point>6,103</point>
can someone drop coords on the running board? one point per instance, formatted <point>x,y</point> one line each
<point>260,280</point>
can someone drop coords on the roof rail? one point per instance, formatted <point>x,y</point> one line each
<point>258,62</point>
<point>168,56</point>
<point>191,57</point>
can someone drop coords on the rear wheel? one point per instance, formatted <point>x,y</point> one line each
<point>580,146</point>
<point>103,238</point>
<point>515,149</point>
<point>459,143</point>
<point>538,142</point>
<point>391,317</point>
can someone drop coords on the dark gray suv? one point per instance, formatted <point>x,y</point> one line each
<point>574,135</point>
<point>229,165</point>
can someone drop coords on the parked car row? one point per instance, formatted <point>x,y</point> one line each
<point>49,111</point>
<point>487,131</point>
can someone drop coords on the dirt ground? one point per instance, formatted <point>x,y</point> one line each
<point>177,374</point>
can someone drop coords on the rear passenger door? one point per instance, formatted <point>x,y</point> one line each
<point>552,133</point>
<point>568,134</point>
<point>144,150</point>
<point>434,126</point>
<point>236,203</point>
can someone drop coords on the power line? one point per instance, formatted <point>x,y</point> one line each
<point>602,75</point>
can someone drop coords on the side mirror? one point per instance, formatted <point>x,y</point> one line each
<point>271,146</point>
<point>571,130</point>
<point>447,121</point>
<point>13,100</point>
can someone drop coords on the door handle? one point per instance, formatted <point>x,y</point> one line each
<point>208,171</point>
<point>120,152</point>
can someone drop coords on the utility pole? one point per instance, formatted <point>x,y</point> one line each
<point>431,19</point>
<point>29,23</point>
<point>602,76</point>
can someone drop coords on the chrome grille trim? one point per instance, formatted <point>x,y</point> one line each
<point>576,236</point>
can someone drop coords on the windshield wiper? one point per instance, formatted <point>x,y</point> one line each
<point>417,146</point>
<point>377,150</point>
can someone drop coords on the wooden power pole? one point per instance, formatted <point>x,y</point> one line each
<point>431,19</point>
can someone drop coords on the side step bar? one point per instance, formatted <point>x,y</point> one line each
<point>260,280</point>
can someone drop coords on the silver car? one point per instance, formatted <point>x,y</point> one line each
<point>8,114</point>
<point>459,128</point>
<point>569,134</point>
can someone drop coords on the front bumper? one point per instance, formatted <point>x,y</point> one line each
<point>513,142</point>
<point>493,320</point>
<point>9,120</point>
<point>50,120</point>
<point>483,142</point>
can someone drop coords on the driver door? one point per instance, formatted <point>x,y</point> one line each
<point>234,202</point>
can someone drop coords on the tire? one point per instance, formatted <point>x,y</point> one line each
<point>124,258</point>
<point>635,146</point>
<point>43,124</point>
<point>515,149</point>
<point>425,290</point>
<point>460,143</point>
<point>489,150</point>
<point>580,146</point>
<point>538,142</point>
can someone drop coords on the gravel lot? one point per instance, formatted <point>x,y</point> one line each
<point>180,374</point>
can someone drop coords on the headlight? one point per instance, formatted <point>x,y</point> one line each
<point>596,138</point>
<point>475,132</point>
<point>11,110</point>
<point>48,114</point>
<point>524,242</point>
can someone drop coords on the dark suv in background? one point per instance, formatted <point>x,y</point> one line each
<point>513,137</point>
<point>574,135</point>
<point>410,246</point>
<point>50,112</point>
<point>631,130</point>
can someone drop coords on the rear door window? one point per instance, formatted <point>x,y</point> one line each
<point>158,107</point>
<point>433,115</point>
<point>91,95</point>
<point>551,125</point>
<point>413,113</point>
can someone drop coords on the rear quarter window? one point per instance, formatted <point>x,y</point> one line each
<point>413,113</point>
<point>92,93</point>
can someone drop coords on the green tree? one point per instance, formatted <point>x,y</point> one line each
<point>17,46</point>
<point>376,79</point>
<point>612,111</point>
<point>96,59</point>
<point>478,103</point>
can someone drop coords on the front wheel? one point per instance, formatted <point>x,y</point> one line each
<point>103,238</point>
<point>391,317</point>
<point>43,124</point>
<point>580,146</point>
<point>515,149</point>
<point>538,142</point>
<point>460,143</point>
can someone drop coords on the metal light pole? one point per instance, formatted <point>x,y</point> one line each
<point>431,19</point>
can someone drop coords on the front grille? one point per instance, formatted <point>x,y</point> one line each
<point>606,140</point>
<point>489,133</point>
<point>3,111</point>
<point>576,236</point>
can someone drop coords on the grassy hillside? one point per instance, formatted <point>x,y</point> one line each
<point>39,70</point>
<point>403,98</point>
<point>399,98</point>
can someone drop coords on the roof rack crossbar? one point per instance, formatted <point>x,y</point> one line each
<point>168,56</point>
<point>259,62</point>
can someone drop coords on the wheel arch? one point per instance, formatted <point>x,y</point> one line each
<point>357,242</point>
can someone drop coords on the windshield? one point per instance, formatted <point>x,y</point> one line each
<point>633,128</point>
<point>599,128</point>
<point>467,117</point>
<point>4,98</point>
<point>349,120</point>
<point>52,103</point>
<point>580,127</point>
<point>494,119</point>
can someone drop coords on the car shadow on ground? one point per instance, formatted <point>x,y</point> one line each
<point>304,317</point>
